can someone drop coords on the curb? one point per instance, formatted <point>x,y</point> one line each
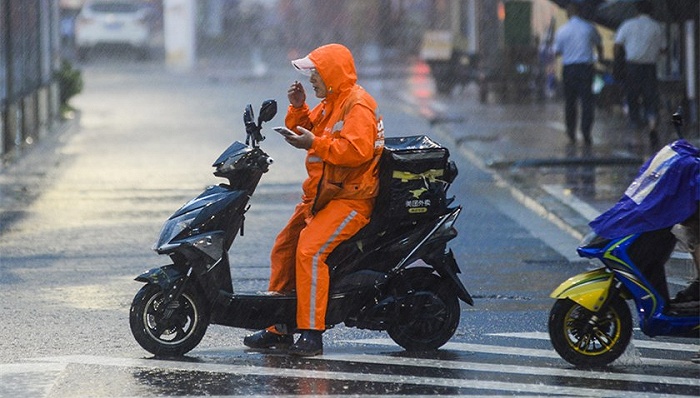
<point>534,198</point>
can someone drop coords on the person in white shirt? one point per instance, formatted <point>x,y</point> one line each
<point>642,40</point>
<point>575,42</point>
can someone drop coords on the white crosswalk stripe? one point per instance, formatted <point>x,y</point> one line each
<point>475,367</point>
<point>510,350</point>
<point>529,352</point>
<point>246,370</point>
<point>651,344</point>
<point>514,369</point>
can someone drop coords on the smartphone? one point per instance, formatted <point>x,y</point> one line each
<point>284,131</point>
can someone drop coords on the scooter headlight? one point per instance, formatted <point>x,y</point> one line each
<point>210,243</point>
<point>229,164</point>
<point>173,228</point>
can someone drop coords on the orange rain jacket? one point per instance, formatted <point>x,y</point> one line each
<point>338,195</point>
<point>342,162</point>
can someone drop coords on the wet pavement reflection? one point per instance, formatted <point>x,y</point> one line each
<point>458,369</point>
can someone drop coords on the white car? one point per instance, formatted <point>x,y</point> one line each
<point>117,22</point>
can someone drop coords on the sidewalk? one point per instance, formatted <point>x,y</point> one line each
<point>525,147</point>
<point>22,178</point>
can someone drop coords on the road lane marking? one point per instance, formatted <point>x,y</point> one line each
<point>512,369</point>
<point>247,370</point>
<point>654,345</point>
<point>538,222</point>
<point>524,199</point>
<point>32,367</point>
<point>571,200</point>
<point>29,379</point>
<point>521,351</point>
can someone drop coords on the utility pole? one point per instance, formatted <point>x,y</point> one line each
<point>179,33</point>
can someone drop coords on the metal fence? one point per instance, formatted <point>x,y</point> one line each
<point>29,56</point>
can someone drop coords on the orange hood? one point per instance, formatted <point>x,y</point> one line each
<point>335,64</point>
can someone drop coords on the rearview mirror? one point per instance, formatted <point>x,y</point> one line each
<point>268,110</point>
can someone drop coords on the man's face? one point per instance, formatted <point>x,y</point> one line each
<point>318,84</point>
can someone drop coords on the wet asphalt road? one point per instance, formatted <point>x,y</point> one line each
<point>86,208</point>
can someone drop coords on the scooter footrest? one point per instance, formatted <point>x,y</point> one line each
<point>689,308</point>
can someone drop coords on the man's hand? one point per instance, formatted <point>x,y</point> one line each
<point>303,140</point>
<point>296,94</point>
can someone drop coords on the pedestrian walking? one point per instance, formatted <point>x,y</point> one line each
<point>642,40</point>
<point>575,42</point>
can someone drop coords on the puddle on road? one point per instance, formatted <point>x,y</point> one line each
<point>92,297</point>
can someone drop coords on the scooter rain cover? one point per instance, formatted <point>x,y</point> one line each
<point>665,192</point>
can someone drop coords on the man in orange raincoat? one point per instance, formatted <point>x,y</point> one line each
<point>343,137</point>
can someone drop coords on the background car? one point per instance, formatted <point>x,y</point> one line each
<point>113,23</point>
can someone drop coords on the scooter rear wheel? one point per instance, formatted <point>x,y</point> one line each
<point>590,339</point>
<point>172,335</point>
<point>429,315</point>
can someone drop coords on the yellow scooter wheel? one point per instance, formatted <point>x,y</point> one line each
<point>590,339</point>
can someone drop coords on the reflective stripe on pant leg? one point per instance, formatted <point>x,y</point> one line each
<point>314,266</point>
<point>334,224</point>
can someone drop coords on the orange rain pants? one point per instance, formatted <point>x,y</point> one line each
<point>300,252</point>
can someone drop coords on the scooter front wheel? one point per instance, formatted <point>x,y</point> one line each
<point>590,339</point>
<point>171,331</point>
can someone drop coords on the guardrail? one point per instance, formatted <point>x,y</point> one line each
<point>29,58</point>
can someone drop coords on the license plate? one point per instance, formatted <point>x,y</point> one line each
<point>114,25</point>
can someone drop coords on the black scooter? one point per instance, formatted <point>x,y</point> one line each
<point>377,281</point>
